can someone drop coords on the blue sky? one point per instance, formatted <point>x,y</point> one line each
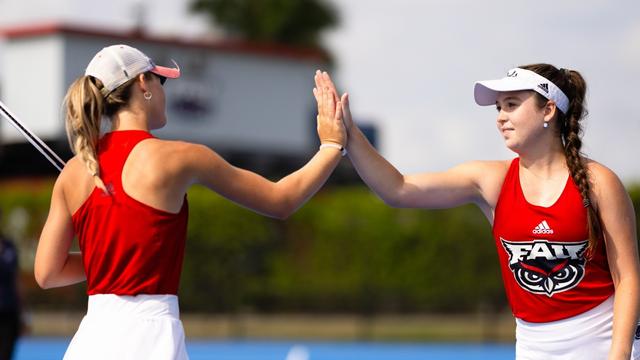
<point>410,65</point>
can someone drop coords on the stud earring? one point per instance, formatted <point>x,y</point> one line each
<point>545,125</point>
<point>148,95</point>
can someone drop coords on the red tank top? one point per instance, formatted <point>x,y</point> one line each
<point>128,247</point>
<point>542,254</point>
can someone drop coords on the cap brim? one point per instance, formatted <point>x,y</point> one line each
<point>486,92</point>
<point>171,73</point>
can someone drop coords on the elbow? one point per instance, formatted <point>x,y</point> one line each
<point>283,212</point>
<point>283,216</point>
<point>283,208</point>
<point>394,203</point>
<point>393,200</point>
<point>395,196</point>
<point>43,279</point>
<point>281,205</point>
<point>44,275</point>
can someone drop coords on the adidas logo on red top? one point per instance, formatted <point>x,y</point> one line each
<point>542,228</point>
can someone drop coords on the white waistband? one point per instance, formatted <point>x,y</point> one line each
<point>147,306</point>
<point>598,320</point>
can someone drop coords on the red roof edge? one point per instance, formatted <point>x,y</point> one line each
<point>231,46</point>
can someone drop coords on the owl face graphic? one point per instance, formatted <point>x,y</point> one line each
<point>543,267</point>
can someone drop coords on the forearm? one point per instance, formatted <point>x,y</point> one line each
<point>625,317</point>
<point>379,175</point>
<point>296,188</point>
<point>71,272</point>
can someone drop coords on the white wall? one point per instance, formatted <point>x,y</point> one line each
<point>247,101</point>
<point>254,103</point>
<point>32,86</point>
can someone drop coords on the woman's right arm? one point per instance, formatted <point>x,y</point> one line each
<point>276,199</point>
<point>472,182</point>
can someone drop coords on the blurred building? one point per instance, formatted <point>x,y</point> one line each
<point>251,103</point>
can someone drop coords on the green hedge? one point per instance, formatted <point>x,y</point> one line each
<point>344,251</point>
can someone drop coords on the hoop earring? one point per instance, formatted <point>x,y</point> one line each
<point>545,125</point>
<point>148,95</point>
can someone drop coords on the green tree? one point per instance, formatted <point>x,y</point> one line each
<point>290,22</point>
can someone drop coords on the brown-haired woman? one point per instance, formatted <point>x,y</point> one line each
<point>123,196</point>
<point>564,225</point>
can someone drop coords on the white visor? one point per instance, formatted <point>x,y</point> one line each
<point>486,92</point>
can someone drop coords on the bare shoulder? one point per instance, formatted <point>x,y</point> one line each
<point>600,172</point>
<point>72,166</point>
<point>74,183</point>
<point>171,158</point>
<point>74,172</point>
<point>608,194</point>
<point>488,176</point>
<point>169,149</point>
<point>614,206</point>
<point>183,155</point>
<point>488,167</point>
<point>486,172</point>
<point>605,184</point>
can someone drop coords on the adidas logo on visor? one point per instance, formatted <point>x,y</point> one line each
<point>544,87</point>
<point>542,228</point>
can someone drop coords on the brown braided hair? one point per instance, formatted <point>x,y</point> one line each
<point>570,131</point>
<point>85,107</point>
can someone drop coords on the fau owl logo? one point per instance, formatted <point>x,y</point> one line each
<point>544,267</point>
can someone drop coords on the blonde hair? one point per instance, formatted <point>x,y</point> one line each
<point>85,107</point>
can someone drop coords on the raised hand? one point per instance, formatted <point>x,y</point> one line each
<point>346,113</point>
<point>324,80</point>
<point>331,128</point>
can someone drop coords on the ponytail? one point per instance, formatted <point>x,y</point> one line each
<point>570,128</point>
<point>85,108</point>
<point>571,134</point>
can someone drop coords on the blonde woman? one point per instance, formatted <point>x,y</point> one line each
<point>123,196</point>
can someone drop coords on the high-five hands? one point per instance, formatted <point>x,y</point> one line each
<point>324,80</point>
<point>331,129</point>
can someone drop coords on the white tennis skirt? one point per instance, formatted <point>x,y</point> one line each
<point>586,336</point>
<point>129,327</point>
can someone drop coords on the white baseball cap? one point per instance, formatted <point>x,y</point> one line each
<point>116,64</point>
<point>486,92</point>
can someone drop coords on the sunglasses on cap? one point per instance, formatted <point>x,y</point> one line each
<point>163,79</point>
